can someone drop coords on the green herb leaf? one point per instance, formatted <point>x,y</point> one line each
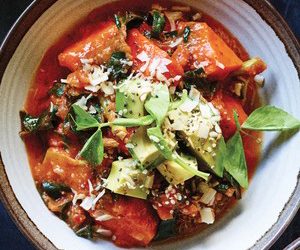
<point>166,229</point>
<point>270,118</point>
<point>120,100</point>
<point>83,120</point>
<point>157,106</point>
<point>133,122</point>
<point>157,138</point>
<point>93,149</point>
<point>235,161</point>
<point>186,34</point>
<point>221,155</point>
<point>158,23</point>
<point>117,21</point>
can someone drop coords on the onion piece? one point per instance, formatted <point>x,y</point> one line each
<point>207,215</point>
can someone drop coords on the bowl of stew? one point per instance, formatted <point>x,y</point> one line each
<point>160,125</point>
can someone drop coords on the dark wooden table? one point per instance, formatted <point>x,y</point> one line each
<point>10,236</point>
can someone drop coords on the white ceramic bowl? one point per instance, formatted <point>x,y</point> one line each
<point>273,196</point>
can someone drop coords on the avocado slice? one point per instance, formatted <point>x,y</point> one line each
<point>144,150</point>
<point>199,129</point>
<point>131,96</point>
<point>126,179</point>
<point>176,174</point>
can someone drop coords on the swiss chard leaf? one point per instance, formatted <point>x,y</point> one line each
<point>117,21</point>
<point>270,118</point>
<point>158,24</point>
<point>157,106</point>
<point>186,34</point>
<point>85,232</point>
<point>83,120</point>
<point>54,189</point>
<point>133,122</point>
<point>39,123</point>
<point>235,161</point>
<point>118,66</point>
<point>93,149</point>
<point>166,229</point>
<point>58,89</point>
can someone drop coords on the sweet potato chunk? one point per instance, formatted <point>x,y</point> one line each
<point>59,167</point>
<point>226,104</point>
<point>206,49</point>
<point>98,47</point>
<point>134,223</point>
<point>150,59</point>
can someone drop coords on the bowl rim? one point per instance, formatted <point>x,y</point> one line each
<point>12,40</point>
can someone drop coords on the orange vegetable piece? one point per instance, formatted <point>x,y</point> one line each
<point>226,104</point>
<point>134,223</point>
<point>206,49</point>
<point>59,167</point>
<point>140,44</point>
<point>98,47</point>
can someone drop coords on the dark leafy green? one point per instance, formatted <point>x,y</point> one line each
<point>158,24</point>
<point>58,89</point>
<point>54,189</point>
<point>117,21</point>
<point>186,34</point>
<point>166,229</point>
<point>85,232</point>
<point>270,118</point>
<point>117,65</point>
<point>38,123</point>
<point>93,149</point>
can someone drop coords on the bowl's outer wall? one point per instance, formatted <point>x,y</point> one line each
<point>272,186</point>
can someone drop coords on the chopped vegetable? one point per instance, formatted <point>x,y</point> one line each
<point>158,23</point>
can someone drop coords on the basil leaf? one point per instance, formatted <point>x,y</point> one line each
<point>93,149</point>
<point>83,120</point>
<point>157,138</point>
<point>157,106</point>
<point>220,157</point>
<point>166,229</point>
<point>270,118</point>
<point>117,21</point>
<point>186,34</point>
<point>158,24</point>
<point>133,122</point>
<point>235,161</point>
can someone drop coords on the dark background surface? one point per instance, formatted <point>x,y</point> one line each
<point>10,236</point>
